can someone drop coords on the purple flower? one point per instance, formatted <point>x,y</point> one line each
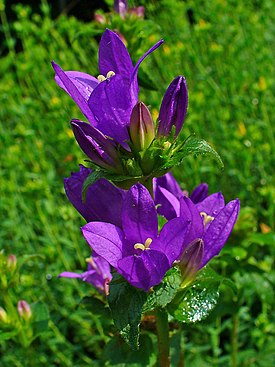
<point>212,223</point>
<point>103,200</point>
<point>135,249</point>
<point>173,107</point>
<point>107,102</point>
<point>121,7</point>
<point>168,193</point>
<point>98,274</point>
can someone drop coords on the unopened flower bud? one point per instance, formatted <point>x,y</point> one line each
<point>191,260</point>
<point>3,316</point>
<point>138,11</point>
<point>100,18</point>
<point>121,7</point>
<point>24,310</point>
<point>173,107</point>
<point>142,129</point>
<point>11,263</point>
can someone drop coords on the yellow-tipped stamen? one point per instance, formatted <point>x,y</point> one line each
<point>101,78</point>
<point>206,218</point>
<point>139,246</point>
<point>110,74</point>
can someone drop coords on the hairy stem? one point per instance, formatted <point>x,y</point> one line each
<point>234,340</point>
<point>163,337</point>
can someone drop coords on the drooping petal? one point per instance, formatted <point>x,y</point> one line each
<point>173,107</point>
<point>106,240</point>
<point>114,56</point>
<point>85,83</point>
<point>69,274</point>
<point>139,215</point>
<point>112,105</point>
<point>188,211</point>
<point>144,271</point>
<point>211,205</point>
<point>103,200</point>
<point>219,230</point>
<point>199,193</point>
<point>172,238</point>
<point>72,89</point>
<point>98,273</point>
<point>169,205</point>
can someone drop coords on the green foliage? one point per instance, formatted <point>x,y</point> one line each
<point>126,304</point>
<point>227,61</point>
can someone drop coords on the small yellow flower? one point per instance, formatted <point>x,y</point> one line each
<point>55,101</point>
<point>265,228</point>
<point>241,129</point>
<point>262,83</point>
<point>166,49</point>
<point>70,133</point>
<point>155,114</point>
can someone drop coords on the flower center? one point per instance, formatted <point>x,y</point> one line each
<point>146,246</point>
<point>206,218</point>
<point>101,77</point>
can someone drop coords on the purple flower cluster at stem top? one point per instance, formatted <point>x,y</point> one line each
<point>108,103</point>
<point>123,226</point>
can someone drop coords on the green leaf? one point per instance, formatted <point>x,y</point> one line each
<point>40,318</point>
<point>96,307</point>
<point>194,303</point>
<point>118,354</point>
<point>163,293</point>
<point>126,304</point>
<point>7,335</point>
<point>193,146</point>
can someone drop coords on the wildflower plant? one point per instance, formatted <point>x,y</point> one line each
<point>150,241</point>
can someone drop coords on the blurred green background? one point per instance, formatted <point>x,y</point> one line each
<point>225,49</point>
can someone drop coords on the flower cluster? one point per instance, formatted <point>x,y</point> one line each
<point>121,138</point>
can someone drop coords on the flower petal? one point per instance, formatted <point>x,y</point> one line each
<point>113,55</point>
<point>112,105</point>
<point>191,213</point>
<point>169,183</point>
<point>211,205</point>
<point>144,271</point>
<point>69,86</point>
<point>139,215</point>
<point>85,83</point>
<point>99,195</point>
<point>169,204</point>
<point>134,80</point>
<point>172,238</point>
<point>106,240</point>
<point>199,193</point>
<point>219,230</point>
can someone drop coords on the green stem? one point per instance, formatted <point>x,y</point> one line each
<point>163,337</point>
<point>234,340</point>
